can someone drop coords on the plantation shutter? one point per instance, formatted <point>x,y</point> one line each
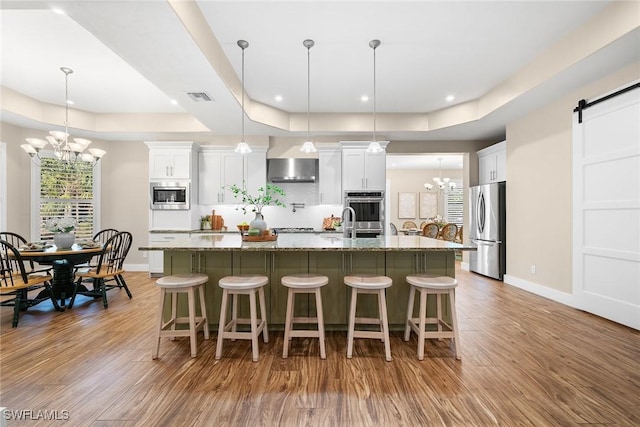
<point>67,192</point>
<point>454,206</point>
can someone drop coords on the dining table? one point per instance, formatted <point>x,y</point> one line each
<point>410,231</point>
<point>63,262</point>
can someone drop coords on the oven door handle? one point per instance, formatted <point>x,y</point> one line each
<point>362,200</point>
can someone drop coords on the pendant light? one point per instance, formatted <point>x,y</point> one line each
<point>243,147</point>
<point>308,146</point>
<point>65,151</point>
<point>374,146</point>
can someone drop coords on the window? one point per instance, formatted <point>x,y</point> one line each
<point>66,192</point>
<point>454,205</point>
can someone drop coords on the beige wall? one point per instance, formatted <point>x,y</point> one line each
<point>125,193</point>
<point>412,180</point>
<point>539,187</point>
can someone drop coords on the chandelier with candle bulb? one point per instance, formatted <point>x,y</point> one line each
<point>64,150</point>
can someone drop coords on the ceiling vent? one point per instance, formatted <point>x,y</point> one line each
<point>199,96</point>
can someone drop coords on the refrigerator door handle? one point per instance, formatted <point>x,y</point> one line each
<point>480,212</point>
<point>485,242</point>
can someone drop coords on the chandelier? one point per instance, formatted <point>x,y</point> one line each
<point>440,183</point>
<point>243,147</point>
<point>308,146</point>
<point>64,150</point>
<point>374,146</point>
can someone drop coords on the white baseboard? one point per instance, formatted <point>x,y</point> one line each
<point>136,267</point>
<point>543,291</point>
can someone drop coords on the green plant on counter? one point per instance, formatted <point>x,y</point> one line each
<point>267,196</point>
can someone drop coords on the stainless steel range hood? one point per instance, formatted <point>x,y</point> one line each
<point>292,170</point>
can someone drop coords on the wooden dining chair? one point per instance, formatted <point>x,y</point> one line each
<point>107,274</point>
<point>459,237</point>
<point>17,240</point>
<point>17,283</point>
<point>449,232</point>
<point>394,229</point>
<point>409,224</point>
<point>103,235</point>
<point>100,237</point>
<point>431,230</point>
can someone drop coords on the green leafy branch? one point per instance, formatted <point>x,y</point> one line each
<point>267,196</point>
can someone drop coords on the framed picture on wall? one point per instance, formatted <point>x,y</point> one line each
<point>428,205</point>
<point>407,205</point>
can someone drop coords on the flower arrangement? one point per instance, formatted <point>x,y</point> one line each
<point>438,220</point>
<point>60,225</point>
<point>268,195</point>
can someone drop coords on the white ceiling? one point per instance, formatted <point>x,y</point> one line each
<point>137,56</point>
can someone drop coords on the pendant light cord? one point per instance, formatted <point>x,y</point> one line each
<point>309,93</point>
<point>374,94</point>
<point>66,72</point>
<point>242,121</point>
<point>374,44</point>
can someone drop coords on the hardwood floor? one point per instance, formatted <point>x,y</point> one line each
<point>525,361</point>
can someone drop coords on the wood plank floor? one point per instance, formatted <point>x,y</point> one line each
<point>526,361</point>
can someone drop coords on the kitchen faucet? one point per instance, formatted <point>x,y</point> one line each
<point>345,228</point>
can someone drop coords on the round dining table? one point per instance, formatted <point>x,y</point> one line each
<point>63,262</point>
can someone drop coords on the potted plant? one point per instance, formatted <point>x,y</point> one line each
<point>269,195</point>
<point>62,229</point>
<point>205,222</point>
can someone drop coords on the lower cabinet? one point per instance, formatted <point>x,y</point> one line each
<point>156,258</point>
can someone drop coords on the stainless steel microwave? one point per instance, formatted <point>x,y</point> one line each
<point>169,195</point>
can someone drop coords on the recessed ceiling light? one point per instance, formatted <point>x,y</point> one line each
<point>174,102</point>
<point>278,98</point>
<point>70,102</point>
<point>450,98</point>
<point>364,98</point>
<point>58,11</point>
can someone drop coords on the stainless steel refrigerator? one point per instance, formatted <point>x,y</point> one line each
<point>488,229</point>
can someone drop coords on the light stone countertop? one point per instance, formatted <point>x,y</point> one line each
<point>304,242</point>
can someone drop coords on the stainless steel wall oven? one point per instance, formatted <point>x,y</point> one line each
<point>369,209</point>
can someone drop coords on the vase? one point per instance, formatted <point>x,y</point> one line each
<point>258,222</point>
<point>64,240</point>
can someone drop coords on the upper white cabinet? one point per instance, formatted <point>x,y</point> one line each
<point>209,178</point>
<point>362,170</point>
<point>171,160</point>
<point>220,168</point>
<point>492,163</point>
<point>330,176</point>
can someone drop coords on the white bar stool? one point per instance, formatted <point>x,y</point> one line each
<point>174,285</point>
<point>235,286</point>
<point>361,284</point>
<point>427,284</point>
<point>303,284</point>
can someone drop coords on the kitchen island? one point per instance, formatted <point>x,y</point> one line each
<point>223,254</point>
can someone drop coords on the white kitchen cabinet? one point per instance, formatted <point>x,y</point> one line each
<point>330,176</point>
<point>172,160</point>
<point>170,163</point>
<point>362,170</point>
<point>156,258</point>
<point>221,168</point>
<point>492,163</point>
<point>209,178</point>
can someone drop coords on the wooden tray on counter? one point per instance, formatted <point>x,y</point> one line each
<point>259,238</point>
